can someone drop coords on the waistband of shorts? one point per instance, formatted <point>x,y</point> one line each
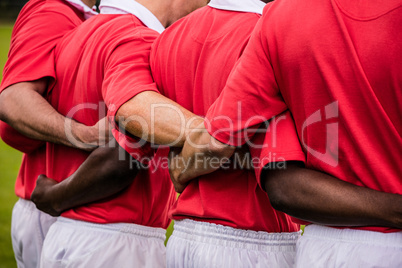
<point>127,228</point>
<point>26,203</point>
<point>227,236</point>
<point>353,235</point>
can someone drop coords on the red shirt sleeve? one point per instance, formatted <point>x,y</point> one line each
<point>276,143</point>
<point>127,74</point>
<point>32,42</point>
<point>250,97</point>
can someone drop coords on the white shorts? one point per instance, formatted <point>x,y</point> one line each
<point>75,244</point>
<point>201,244</point>
<point>329,247</point>
<point>29,227</point>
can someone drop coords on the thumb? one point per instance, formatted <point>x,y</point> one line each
<point>42,177</point>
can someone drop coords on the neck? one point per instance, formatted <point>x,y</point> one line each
<point>89,3</point>
<point>160,9</point>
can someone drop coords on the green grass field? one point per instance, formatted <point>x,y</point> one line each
<point>10,161</point>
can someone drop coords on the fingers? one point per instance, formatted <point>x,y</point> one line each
<point>40,195</point>
<point>174,169</point>
<point>104,128</point>
<point>179,188</point>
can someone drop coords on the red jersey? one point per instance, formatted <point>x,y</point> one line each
<point>40,25</point>
<point>337,66</point>
<point>190,63</point>
<point>100,66</point>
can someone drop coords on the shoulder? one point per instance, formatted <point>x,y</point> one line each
<point>128,27</point>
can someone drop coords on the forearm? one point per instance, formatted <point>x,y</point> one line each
<point>157,119</point>
<point>320,198</point>
<point>24,109</point>
<point>105,172</point>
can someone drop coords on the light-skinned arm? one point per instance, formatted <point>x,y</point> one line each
<point>23,107</point>
<point>157,119</point>
<point>199,151</point>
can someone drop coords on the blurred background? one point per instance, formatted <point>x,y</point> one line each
<point>9,10</point>
<point>10,159</point>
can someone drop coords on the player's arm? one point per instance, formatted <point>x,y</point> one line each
<point>23,107</point>
<point>157,119</point>
<point>199,156</point>
<point>322,199</point>
<point>106,171</point>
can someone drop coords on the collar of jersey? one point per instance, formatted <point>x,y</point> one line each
<point>87,11</point>
<point>132,7</point>
<point>254,6</point>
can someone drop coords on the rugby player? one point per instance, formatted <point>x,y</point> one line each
<point>28,71</point>
<point>222,219</point>
<point>126,229</point>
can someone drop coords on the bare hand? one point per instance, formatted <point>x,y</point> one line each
<point>42,194</point>
<point>104,130</point>
<point>89,138</point>
<point>175,161</point>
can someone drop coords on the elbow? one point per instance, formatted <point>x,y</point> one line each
<point>278,202</point>
<point>283,187</point>
<point>128,111</point>
<point>3,109</point>
<point>278,196</point>
<point>124,114</point>
<point>121,115</point>
<point>129,119</point>
<point>8,103</point>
